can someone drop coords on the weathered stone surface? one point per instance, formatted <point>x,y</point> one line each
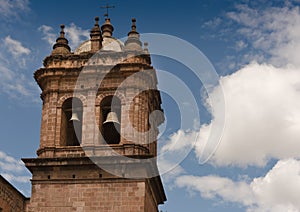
<point>10,198</point>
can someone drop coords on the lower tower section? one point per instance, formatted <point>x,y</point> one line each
<point>59,185</point>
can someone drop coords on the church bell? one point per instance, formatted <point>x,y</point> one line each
<point>112,117</point>
<point>74,117</point>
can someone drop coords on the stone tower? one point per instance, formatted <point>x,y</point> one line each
<point>100,114</point>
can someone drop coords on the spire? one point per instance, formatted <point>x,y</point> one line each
<point>133,41</point>
<point>107,28</point>
<point>133,27</point>
<point>96,37</point>
<point>61,46</point>
<point>146,50</point>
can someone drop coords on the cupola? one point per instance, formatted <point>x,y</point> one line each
<point>61,46</point>
<point>107,28</point>
<point>133,41</point>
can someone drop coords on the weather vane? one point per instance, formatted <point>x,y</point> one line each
<point>107,7</point>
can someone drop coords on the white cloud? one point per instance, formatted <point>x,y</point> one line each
<point>21,86</point>
<point>262,117</point>
<point>173,151</point>
<point>262,101</point>
<point>17,179</point>
<point>6,74</point>
<point>173,170</point>
<point>12,169</point>
<point>240,45</point>
<point>11,8</point>
<point>49,36</point>
<point>179,141</point>
<point>280,187</point>
<point>75,35</point>
<point>212,187</point>
<point>212,23</point>
<point>277,191</point>
<point>275,31</point>
<point>15,47</point>
<point>13,80</point>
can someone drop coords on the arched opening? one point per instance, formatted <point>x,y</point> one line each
<point>110,119</point>
<point>71,122</point>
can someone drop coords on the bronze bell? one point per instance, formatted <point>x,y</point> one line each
<point>74,117</point>
<point>112,117</point>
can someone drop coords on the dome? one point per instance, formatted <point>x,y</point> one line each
<point>108,44</point>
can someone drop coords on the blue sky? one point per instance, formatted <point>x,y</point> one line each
<point>254,47</point>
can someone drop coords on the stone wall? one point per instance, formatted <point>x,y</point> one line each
<point>11,200</point>
<point>105,195</point>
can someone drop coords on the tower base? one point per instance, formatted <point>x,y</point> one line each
<point>77,184</point>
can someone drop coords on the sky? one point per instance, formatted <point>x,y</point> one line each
<point>253,47</point>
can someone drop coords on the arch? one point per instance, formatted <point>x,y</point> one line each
<point>117,94</point>
<point>110,119</point>
<point>62,99</point>
<point>71,122</point>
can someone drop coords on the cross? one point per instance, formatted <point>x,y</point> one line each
<point>107,7</point>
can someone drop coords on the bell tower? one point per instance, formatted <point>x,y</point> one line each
<point>100,117</point>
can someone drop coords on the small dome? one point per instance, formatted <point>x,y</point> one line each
<point>108,44</point>
<point>107,28</point>
<point>61,46</point>
<point>133,42</point>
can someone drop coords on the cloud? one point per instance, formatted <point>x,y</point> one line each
<point>75,34</point>
<point>6,74</point>
<point>48,34</point>
<point>8,163</point>
<point>212,187</point>
<point>15,47</point>
<point>274,32</point>
<point>13,81</point>
<point>240,45</point>
<point>212,23</point>
<point>262,98</point>
<point>277,191</point>
<point>172,151</point>
<point>179,141</point>
<point>262,117</point>
<point>11,8</point>
<point>12,169</point>
<point>169,170</point>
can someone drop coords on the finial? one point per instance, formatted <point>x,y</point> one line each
<point>146,46</point>
<point>97,21</point>
<point>133,27</point>
<point>62,32</point>
<point>133,41</point>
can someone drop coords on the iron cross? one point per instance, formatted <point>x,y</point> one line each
<point>107,7</point>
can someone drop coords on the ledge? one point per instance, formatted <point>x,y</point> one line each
<point>101,150</point>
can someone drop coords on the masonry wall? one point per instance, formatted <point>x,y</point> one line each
<point>10,199</point>
<point>150,204</point>
<point>104,195</point>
